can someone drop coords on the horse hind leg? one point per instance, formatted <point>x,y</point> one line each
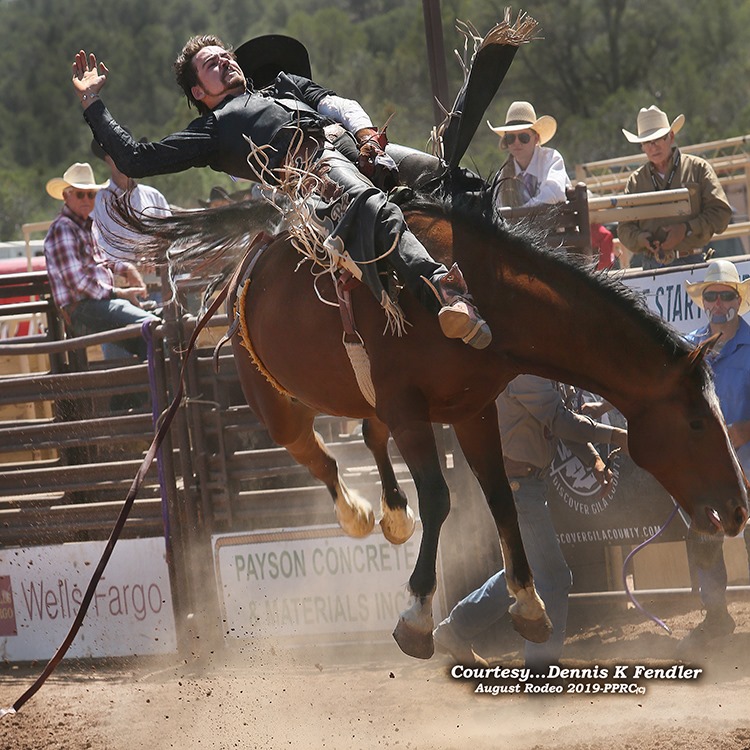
<point>415,440</point>
<point>290,424</point>
<point>397,518</point>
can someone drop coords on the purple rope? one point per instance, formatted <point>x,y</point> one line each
<point>625,567</point>
<point>148,335</point>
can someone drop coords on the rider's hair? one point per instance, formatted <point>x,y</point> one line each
<point>185,71</point>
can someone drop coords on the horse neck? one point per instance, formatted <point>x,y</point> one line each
<point>555,321</point>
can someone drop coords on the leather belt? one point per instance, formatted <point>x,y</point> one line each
<point>518,469</point>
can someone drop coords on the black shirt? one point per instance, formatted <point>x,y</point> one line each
<point>218,139</point>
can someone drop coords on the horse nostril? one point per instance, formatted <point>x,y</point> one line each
<point>741,516</point>
<point>714,518</point>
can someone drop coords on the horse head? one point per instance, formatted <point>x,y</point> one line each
<point>684,427</point>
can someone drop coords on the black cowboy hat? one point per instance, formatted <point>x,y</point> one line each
<point>264,57</point>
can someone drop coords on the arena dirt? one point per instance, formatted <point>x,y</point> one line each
<point>261,696</point>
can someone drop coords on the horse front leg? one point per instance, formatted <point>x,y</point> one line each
<point>416,442</point>
<point>480,442</point>
<point>397,520</point>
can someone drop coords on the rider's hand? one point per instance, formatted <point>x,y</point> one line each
<point>374,162</point>
<point>88,77</point>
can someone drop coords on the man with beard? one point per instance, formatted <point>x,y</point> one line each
<point>293,122</point>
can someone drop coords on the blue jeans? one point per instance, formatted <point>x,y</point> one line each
<point>97,315</point>
<point>489,603</point>
<point>707,556</point>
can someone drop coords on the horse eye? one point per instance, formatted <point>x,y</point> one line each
<point>697,424</point>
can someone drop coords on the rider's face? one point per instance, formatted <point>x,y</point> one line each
<point>217,72</point>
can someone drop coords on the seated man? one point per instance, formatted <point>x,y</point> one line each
<point>81,277</point>
<point>233,113</point>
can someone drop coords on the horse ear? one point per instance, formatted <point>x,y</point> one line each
<point>699,353</point>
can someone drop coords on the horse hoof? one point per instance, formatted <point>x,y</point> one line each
<point>398,525</point>
<point>356,522</point>
<point>536,631</point>
<point>413,642</point>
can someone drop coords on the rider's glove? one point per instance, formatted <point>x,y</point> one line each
<point>375,164</point>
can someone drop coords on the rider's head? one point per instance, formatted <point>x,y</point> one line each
<point>206,71</point>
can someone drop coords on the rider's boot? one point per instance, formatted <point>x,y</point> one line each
<point>458,317</point>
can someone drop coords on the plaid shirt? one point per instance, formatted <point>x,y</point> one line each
<point>76,267</point>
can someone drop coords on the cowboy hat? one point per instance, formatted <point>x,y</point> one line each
<point>521,116</point>
<point>652,124</point>
<point>79,175</point>
<point>721,272</point>
<point>264,57</point>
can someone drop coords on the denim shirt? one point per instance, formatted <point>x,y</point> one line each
<point>731,368</point>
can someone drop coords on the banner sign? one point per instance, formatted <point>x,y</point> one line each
<point>630,510</point>
<point>311,581</point>
<point>41,589</point>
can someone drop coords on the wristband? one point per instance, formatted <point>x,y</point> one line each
<point>86,97</point>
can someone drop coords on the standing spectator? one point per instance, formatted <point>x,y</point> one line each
<point>81,277</point>
<point>725,299</point>
<point>144,200</point>
<point>533,414</point>
<point>532,175</point>
<point>672,241</point>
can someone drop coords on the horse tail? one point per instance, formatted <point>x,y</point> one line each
<point>198,241</point>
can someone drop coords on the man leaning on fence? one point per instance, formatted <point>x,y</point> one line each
<point>81,277</point>
<point>678,240</point>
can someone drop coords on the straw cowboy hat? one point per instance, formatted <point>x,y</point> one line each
<point>264,57</point>
<point>652,124</point>
<point>79,175</point>
<point>521,116</point>
<point>721,272</point>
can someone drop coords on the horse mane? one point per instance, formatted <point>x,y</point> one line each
<point>529,237</point>
<point>210,242</point>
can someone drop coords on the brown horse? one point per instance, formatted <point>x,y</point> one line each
<point>549,317</point>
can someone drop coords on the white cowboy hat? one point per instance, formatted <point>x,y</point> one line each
<point>652,124</point>
<point>521,116</point>
<point>79,175</point>
<point>721,272</point>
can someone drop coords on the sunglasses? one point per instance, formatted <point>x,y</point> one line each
<point>723,296</point>
<point>81,194</point>
<point>510,138</point>
<point>655,141</point>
